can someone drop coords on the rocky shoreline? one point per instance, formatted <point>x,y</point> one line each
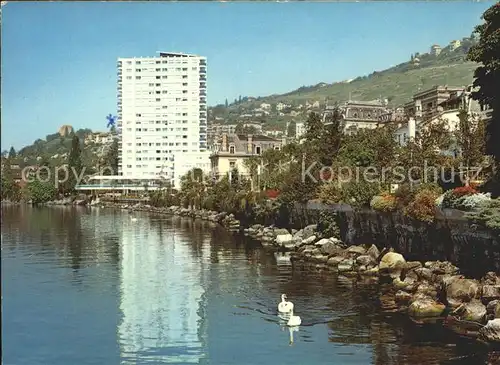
<point>429,291</point>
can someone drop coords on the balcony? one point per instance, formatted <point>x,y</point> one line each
<point>203,69</point>
<point>203,62</point>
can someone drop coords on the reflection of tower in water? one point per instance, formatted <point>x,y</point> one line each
<point>161,295</point>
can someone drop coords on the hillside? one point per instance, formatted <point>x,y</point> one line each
<point>397,84</point>
<point>54,150</point>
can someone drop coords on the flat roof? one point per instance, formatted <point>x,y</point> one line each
<point>176,54</point>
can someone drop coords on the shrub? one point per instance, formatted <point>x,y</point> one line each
<point>487,214</point>
<point>462,198</point>
<point>359,194</point>
<point>423,206</point>
<point>327,224</point>
<point>41,192</point>
<point>329,193</point>
<point>406,193</point>
<point>384,203</point>
<point>272,193</point>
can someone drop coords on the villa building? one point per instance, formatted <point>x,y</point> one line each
<point>231,151</point>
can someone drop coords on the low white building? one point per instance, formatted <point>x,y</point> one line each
<point>300,130</point>
<point>185,162</point>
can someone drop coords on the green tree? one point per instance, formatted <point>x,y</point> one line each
<point>291,129</point>
<point>110,159</point>
<point>241,128</point>
<point>75,165</point>
<point>470,138</point>
<point>487,77</point>
<point>41,192</point>
<point>12,153</point>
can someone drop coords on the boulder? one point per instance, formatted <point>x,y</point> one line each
<point>490,332</point>
<point>473,311</point>
<point>365,260</point>
<point>334,261</point>
<point>490,278</point>
<point>459,290</point>
<point>424,274</point>
<point>426,289</point>
<point>374,252</point>
<point>309,240</point>
<point>402,296</point>
<point>346,265</point>
<point>493,309</point>
<point>283,239</point>
<point>412,265</point>
<point>356,250</point>
<point>309,231</point>
<point>491,292</point>
<point>371,271</point>
<point>281,231</point>
<point>425,307</point>
<point>392,263</point>
<point>441,267</point>
<point>331,248</point>
<point>322,242</point>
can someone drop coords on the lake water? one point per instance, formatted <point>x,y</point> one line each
<point>93,286</point>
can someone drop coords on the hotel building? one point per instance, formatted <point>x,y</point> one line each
<point>162,115</point>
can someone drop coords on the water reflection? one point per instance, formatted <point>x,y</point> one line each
<point>161,291</point>
<point>172,290</point>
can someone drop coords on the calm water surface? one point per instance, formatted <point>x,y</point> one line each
<point>92,286</point>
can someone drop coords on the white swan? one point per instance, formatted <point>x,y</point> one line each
<point>284,306</point>
<point>294,320</point>
<point>133,219</point>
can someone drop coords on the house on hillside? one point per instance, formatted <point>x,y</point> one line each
<point>455,44</point>
<point>435,50</point>
<point>359,114</point>
<point>428,107</point>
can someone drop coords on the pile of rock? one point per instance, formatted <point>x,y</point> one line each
<point>227,220</point>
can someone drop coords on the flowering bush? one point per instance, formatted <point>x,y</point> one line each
<point>272,193</point>
<point>384,203</point>
<point>464,190</point>
<point>406,193</point>
<point>462,198</point>
<point>423,206</point>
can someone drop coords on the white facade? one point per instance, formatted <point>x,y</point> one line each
<point>299,130</point>
<point>162,113</point>
<point>185,162</point>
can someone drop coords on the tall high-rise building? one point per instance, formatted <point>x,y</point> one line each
<point>162,115</point>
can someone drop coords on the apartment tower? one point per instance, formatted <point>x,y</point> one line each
<point>162,115</point>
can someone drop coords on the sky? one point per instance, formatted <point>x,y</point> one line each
<point>59,59</point>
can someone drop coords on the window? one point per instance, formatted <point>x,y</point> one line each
<point>232,164</point>
<point>137,70</point>
<point>157,62</point>
<point>231,149</point>
<point>257,150</point>
<point>137,77</point>
<point>165,69</point>
<point>129,77</point>
<point>158,70</point>
<point>164,77</point>
<point>137,62</point>
<point>158,77</point>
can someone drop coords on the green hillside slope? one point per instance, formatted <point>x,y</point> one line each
<point>397,84</point>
